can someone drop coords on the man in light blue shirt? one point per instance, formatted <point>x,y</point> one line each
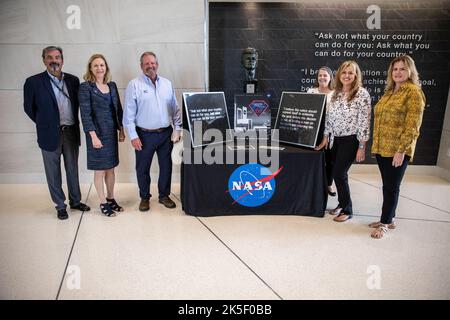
<point>150,111</point>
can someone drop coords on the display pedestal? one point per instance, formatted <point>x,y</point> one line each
<point>250,86</point>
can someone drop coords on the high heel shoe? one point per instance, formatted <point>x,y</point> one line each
<point>335,211</point>
<point>377,224</point>
<point>114,205</point>
<point>107,210</point>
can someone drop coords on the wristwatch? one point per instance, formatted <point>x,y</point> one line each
<point>361,146</point>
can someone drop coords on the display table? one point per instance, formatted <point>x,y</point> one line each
<point>301,187</point>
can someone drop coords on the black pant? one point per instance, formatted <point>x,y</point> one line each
<point>392,177</point>
<point>329,167</point>
<point>343,153</point>
<point>161,143</point>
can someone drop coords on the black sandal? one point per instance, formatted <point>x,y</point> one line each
<point>114,205</point>
<point>107,210</point>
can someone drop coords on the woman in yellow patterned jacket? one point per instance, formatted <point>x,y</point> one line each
<point>397,121</point>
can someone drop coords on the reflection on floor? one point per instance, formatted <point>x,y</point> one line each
<point>165,254</point>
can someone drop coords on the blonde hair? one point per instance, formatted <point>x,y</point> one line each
<point>413,75</point>
<point>89,76</point>
<point>357,83</point>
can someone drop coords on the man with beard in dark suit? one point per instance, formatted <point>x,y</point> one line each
<point>51,101</point>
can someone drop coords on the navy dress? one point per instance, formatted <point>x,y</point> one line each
<point>101,112</point>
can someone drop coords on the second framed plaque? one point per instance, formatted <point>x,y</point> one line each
<point>299,117</point>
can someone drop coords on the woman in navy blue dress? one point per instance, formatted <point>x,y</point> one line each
<point>101,114</point>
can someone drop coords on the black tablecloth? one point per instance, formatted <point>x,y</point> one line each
<point>301,187</point>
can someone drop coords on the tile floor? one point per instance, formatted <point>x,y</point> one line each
<point>165,254</point>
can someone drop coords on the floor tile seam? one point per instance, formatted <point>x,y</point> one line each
<point>73,245</point>
<point>176,196</point>
<point>239,258</point>
<point>403,218</point>
<point>405,197</point>
<point>374,216</point>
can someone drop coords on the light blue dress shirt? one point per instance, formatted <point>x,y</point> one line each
<point>64,104</point>
<point>150,106</point>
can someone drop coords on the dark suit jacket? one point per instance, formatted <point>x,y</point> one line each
<point>39,103</point>
<point>92,101</point>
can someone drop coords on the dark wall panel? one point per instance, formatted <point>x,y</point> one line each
<point>286,36</point>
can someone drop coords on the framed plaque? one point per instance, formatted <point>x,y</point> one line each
<point>299,116</point>
<point>205,111</point>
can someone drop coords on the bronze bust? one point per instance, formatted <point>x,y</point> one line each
<point>249,60</point>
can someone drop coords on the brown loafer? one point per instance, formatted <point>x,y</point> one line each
<point>144,205</point>
<point>343,217</point>
<point>167,202</point>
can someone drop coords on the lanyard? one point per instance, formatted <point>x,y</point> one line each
<point>61,89</point>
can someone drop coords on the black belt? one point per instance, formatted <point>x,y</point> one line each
<point>66,127</point>
<point>153,130</point>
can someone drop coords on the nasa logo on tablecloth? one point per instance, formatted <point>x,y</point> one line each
<point>252,185</point>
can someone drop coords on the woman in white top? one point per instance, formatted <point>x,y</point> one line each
<point>325,84</point>
<point>347,129</point>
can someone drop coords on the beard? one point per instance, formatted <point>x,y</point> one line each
<point>150,70</point>
<point>54,66</point>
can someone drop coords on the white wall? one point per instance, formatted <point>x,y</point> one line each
<point>119,29</point>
